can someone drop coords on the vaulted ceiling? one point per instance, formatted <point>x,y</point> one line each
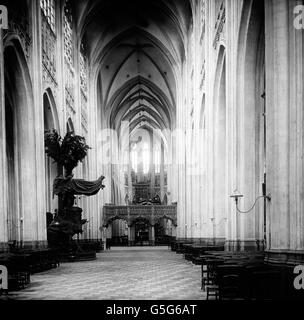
<point>136,47</point>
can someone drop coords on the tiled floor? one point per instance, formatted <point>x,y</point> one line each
<point>142,273</point>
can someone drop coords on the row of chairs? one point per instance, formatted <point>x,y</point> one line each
<point>239,276</point>
<point>22,263</point>
<point>18,281</point>
<point>192,250</point>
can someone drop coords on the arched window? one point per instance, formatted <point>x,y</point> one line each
<point>146,158</point>
<point>134,158</point>
<point>48,38</point>
<point>157,159</point>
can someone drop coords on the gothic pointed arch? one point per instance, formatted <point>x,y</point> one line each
<point>51,122</point>
<point>20,141</point>
<point>251,104</point>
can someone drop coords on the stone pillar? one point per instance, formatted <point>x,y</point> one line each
<point>152,236</point>
<point>296,175</point>
<point>278,57</point>
<point>152,168</point>
<point>3,170</point>
<point>129,235</point>
<point>39,218</point>
<point>130,183</point>
<point>179,159</point>
<point>152,228</point>
<point>104,237</point>
<point>162,172</point>
<point>131,232</point>
<point>284,101</point>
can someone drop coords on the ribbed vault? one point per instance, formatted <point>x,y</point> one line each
<point>136,49</point>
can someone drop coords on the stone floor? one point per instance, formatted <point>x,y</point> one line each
<point>139,273</point>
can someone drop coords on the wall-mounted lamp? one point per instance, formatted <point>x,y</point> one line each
<point>236,195</point>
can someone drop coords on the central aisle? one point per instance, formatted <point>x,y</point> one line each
<point>137,273</point>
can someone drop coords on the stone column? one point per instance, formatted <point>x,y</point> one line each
<point>3,170</point>
<point>152,236</point>
<point>209,120</point>
<point>278,115</point>
<point>152,228</point>
<point>129,226</point>
<point>152,168</point>
<point>129,235</point>
<point>104,237</point>
<point>162,172</point>
<point>39,217</point>
<point>130,182</point>
<point>296,62</point>
<point>179,145</point>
